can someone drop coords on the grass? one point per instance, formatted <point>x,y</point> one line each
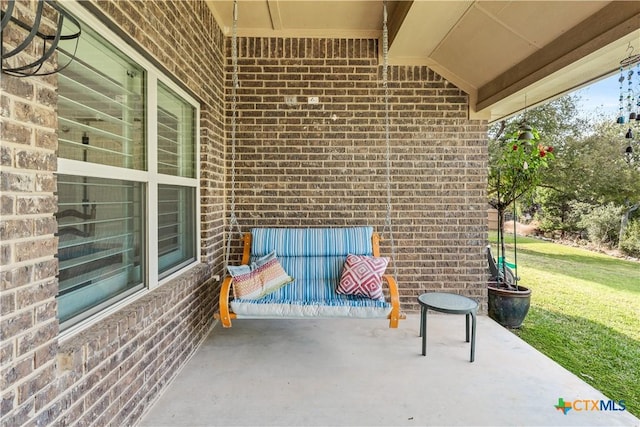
<point>585,314</point>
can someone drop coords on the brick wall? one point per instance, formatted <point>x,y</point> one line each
<point>301,164</point>
<point>298,164</point>
<point>28,326</point>
<point>110,372</point>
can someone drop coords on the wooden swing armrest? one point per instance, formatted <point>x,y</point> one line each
<point>225,315</point>
<point>395,315</point>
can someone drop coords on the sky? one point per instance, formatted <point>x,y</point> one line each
<point>602,97</point>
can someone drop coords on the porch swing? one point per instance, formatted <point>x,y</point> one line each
<point>309,272</point>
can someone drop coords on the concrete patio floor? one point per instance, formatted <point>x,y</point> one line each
<point>348,372</point>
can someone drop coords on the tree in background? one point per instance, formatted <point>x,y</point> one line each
<point>592,170</point>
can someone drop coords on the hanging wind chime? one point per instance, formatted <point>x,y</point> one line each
<point>629,98</point>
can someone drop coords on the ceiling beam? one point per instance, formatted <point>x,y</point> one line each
<point>394,21</point>
<point>611,23</point>
<point>274,13</point>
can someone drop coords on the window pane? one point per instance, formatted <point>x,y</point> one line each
<point>101,105</point>
<point>176,138</point>
<point>101,246</point>
<point>176,227</point>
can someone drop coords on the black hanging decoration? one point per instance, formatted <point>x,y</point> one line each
<point>525,132</point>
<point>629,134</point>
<point>37,34</point>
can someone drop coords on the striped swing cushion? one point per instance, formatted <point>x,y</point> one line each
<point>314,257</point>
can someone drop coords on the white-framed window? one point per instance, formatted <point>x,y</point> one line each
<point>128,206</point>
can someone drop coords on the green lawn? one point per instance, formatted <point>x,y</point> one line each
<point>585,314</point>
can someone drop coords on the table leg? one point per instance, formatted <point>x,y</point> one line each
<point>466,325</point>
<point>473,335</point>
<point>422,314</point>
<point>424,332</point>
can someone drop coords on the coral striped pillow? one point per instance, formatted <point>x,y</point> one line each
<point>362,276</point>
<point>261,278</point>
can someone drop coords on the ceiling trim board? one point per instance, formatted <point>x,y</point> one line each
<point>395,21</point>
<point>226,30</point>
<point>296,33</point>
<point>581,67</point>
<point>611,23</point>
<point>274,14</point>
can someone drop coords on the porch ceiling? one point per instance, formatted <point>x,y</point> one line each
<point>497,51</point>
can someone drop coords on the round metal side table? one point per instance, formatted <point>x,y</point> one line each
<point>451,304</point>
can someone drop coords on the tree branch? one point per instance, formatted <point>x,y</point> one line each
<point>503,126</point>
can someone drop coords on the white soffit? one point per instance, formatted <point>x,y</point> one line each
<point>496,51</point>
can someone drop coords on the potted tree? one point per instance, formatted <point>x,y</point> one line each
<point>515,163</point>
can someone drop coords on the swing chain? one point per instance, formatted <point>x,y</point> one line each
<point>385,85</point>
<point>233,220</point>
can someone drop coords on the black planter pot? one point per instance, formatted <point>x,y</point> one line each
<point>509,308</point>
